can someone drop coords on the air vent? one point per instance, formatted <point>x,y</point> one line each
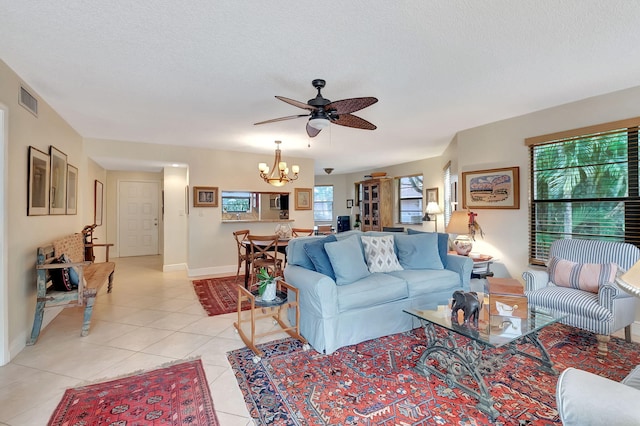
<point>28,101</point>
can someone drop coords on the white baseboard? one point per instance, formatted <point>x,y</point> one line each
<point>214,270</point>
<point>174,267</point>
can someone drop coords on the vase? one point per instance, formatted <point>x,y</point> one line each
<point>269,292</point>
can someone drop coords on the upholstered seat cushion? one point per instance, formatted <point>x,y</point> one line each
<point>583,303</point>
<point>374,289</point>
<point>428,281</point>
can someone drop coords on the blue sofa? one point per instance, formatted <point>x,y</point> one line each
<point>350,304</point>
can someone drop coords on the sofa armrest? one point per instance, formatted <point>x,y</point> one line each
<point>535,279</point>
<point>587,399</point>
<point>463,266</point>
<point>318,293</point>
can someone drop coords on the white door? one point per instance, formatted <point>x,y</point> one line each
<point>138,218</point>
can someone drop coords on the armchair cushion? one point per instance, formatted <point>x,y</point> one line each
<point>583,276</point>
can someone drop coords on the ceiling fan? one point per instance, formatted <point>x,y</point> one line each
<point>322,111</point>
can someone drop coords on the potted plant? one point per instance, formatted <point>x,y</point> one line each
<point>266,285</point>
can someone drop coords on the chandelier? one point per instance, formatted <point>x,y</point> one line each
<point>280,172</point>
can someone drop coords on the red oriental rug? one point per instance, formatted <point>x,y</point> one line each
<point>219,295</point>
<point>373,383</point>
<point>174,395</point>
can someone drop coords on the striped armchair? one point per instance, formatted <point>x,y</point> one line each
<point>602,313</point>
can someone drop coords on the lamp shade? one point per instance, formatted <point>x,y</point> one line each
<point>630,280</point>
<point>433,208</point>
<point>459,223</point>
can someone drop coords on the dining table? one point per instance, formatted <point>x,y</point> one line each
<point>282,248</point>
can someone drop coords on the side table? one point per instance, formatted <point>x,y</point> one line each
<point>265,309</point>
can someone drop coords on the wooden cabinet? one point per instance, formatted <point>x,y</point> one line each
<point>377,204</point>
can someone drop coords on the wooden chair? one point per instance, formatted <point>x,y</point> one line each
<point>301,232</point>
<point>263,251</point>
<point>240,236</point>
<point>324,230</point>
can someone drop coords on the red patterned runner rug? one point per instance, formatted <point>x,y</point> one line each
<point>173,395</point>
<point>373,383</point>
<point>219,295</point>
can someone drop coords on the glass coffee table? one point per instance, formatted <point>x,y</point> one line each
<point>462,362</point>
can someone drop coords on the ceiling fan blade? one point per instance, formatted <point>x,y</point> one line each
<point>312,131</point>
<point>296,103</point>
<point>347,106</point>
<point>281,119</point>
<point>349,120</point>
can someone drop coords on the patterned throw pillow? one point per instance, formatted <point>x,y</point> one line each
<point>583,276</point>
<point>380,254</point>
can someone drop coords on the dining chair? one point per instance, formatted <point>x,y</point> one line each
<point>240,236</point>
<point>301,232</point>
<point>263,253</point>
<point>324,230</point>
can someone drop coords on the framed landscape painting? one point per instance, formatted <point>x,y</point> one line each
<point>38,196</point>
<point>491,189</point>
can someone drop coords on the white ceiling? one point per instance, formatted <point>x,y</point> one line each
<point>201,72</point>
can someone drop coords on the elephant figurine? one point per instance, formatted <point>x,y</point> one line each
<point>470,305</point>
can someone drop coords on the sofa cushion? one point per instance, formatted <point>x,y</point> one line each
<point>374,289</point>
<point>443,243</point>
<point>296,255</point>
<point>347,260</point>
<point>583,276</point>
<point>418,251</point>
<point>318,255</point>
<point>429,281</point>
<point>380,254</point>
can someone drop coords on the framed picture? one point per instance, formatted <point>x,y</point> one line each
<point>205,196</point>
<point>39,175</point>
<point>350,203</point>
<point>97,203</point>
<point>491,189</point>
<point>58,181</point>
<point>72,189</point>
<point>304,197</point>
<point>432,195</point>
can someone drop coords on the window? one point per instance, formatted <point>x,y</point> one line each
<point>236,202</point>
<point>584,184</point>
<point>323,203</point>
<point>410,199</point>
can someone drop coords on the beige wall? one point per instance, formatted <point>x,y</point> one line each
<point>26,233</point>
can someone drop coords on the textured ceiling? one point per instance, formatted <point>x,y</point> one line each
<point>201,72</point>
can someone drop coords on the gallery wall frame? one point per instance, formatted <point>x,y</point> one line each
<point>58,197</point>
<point>303,197</point>
<point>491,189</point>
<point>431,194</point>
<point>205,196</point>
<point>38,185</point>
<point>98,194</point>
<point>72,189</point>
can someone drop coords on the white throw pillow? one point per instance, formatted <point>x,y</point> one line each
<point>380,255</point>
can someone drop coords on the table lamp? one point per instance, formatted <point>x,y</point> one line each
<point>630,280</point>
<point>459,225</point>
<point>432,209</point>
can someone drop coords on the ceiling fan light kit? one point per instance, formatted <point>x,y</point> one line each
<point>279,175</point>
<point>323,112</point>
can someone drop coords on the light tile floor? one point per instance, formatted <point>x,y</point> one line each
<point>150,318</point>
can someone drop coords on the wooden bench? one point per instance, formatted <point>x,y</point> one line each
<point>92,277</point>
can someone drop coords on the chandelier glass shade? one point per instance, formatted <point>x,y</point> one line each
<point>319,123</point>
<point>279,175</point>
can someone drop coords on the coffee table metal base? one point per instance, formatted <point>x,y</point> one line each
<point>462,365</point>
